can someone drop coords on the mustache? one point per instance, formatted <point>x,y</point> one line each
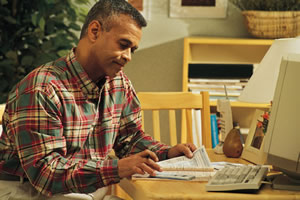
<point>121,62</point>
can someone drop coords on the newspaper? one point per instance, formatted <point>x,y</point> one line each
<point>198,166</point>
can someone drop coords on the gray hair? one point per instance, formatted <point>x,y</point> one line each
<point>105,10</point>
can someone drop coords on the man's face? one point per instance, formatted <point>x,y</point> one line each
<point>112,50</point>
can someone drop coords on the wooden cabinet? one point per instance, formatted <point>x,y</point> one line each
<point>226,51</point>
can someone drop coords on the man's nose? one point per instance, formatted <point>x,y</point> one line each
<point>127,55</point>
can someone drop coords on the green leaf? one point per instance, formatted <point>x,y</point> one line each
<point>21,30</point>
<point>41,59</point>
<point>50,1</point>
<point>7,62</point>
<point>10,19</point>
<point>12,55</point>
<point>46,46</point>
<point>42,23</point>
<point>81,2</point>
<point>60,17</point>
<point>27,60</point>
<point>4,2</point>
<point>21,70</point>
<point>34,19</point>
<point>74,26</point>
<point>62,53</point>
<point>39,31</point>
<point>73,36</point>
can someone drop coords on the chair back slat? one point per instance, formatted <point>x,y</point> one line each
<point>183,126</point>
<point>156,124</point>
<point>143,120</point>
<point>172,101</point>
<point>172,127</point>
<point>205,122</point>
<point>189,125</point>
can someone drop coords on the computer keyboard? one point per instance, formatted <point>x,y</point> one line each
<point>239,177</point>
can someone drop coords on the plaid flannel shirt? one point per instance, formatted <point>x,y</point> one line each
<point>59,127</point>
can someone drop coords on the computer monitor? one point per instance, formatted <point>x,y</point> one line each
<point>282,142</point>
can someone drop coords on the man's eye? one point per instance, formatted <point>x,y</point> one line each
<point>126,46</point>
<point>123,46</point>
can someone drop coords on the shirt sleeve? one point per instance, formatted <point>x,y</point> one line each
<point>35,122</point>
<point>132,139</point>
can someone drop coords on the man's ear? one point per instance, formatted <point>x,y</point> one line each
<point>94,30</point>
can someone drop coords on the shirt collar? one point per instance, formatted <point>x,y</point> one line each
<point>87,86</point>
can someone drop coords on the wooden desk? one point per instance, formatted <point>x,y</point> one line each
<point>175,189</point>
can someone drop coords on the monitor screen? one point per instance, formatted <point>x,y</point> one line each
<point>282,142</point>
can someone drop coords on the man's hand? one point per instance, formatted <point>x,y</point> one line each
<point>182,149</point>
<point>139,163</point>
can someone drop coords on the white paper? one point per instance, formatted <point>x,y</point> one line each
<point>199,160</point>
<point>182,164</point>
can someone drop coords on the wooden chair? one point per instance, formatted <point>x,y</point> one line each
<point>184,101</point>
<point>172,101</point>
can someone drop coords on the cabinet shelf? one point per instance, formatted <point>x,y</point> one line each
<point>238,104</point>
<point>199,50</point>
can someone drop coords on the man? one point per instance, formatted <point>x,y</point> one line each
<point>63,120</point>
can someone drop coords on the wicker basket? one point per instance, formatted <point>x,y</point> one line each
<point>273,24</point>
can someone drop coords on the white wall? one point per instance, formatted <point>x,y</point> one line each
<point>161,28</point>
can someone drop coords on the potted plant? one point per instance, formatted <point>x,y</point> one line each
<point>33,32</point>
<point>271,18</point>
